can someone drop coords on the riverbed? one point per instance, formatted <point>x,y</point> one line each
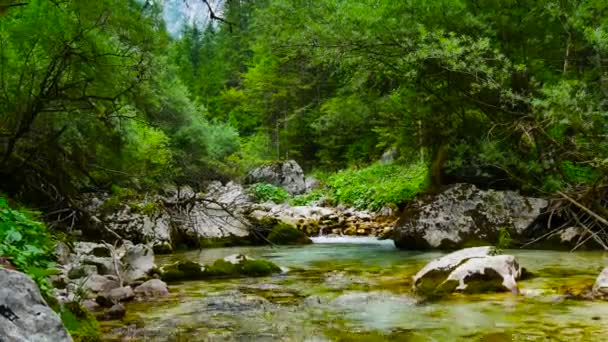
<point>359,289</point>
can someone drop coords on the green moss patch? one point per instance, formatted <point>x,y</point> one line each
<point>80,323</point>
<point>182,270</point>
<point>250,268</point>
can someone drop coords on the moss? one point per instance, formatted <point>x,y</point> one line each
<point>228,241</point>
<point>222,268</point>
<point>163,248</point>
<point>250,268</point>
<point>182,270</point>
<point>285,234</point>
<point>80,323</point>
<point>258,268</point>
<point>145,208</point>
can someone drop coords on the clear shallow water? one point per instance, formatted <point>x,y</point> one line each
<point>360,290</point>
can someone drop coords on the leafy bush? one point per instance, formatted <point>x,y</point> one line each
<point>378,185</point>
<point>308,198</point>
<point>28,244</point>
<point>504,242</point>
<point>263,192</point>
<point>81,324</point>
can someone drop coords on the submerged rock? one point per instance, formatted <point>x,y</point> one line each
<point>25,314</point>
<point>287,174</point>
<point>463,215</point>
<point>468,270</point>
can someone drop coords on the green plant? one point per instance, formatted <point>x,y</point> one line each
<point>504,242</point>
<point>263,192</point>
<point>308,198</point>
<point>378,185</point>
<point>28,244</point>
<point>81,324</point>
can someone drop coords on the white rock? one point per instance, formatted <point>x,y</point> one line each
<point>27,317</point>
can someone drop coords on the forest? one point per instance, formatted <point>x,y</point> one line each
<point>101,97</point>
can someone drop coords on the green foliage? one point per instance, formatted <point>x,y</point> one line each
<point>378,185</point>
<point>81,324</point>
<point>28,244</point>
<point>309,198</point>
<point>182,270</point>
<point>504,242</point>
<point>285,234</point>
<point>263,192</point>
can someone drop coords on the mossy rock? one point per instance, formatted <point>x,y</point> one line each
<point>245,268</point>
<point>228,241</point>
<point>163,248</point>
<point>285,234</point>
<point>258,268</point>
<point>182,270</point>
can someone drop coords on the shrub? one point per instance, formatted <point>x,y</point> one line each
<point>308,198</point>
<point>263,192</point>
<point>378,185</point>
<point>28,244</point>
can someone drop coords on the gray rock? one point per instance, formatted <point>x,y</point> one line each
<point>357,299</point>
<point>117,311</point>
<point>152,288</point>
<point>600,288</point>
<point>312,183</point>
<point>101,283</point>
<point>137,262</point>
<point>463,213</point>
<point>121,294</point>
<point>288,175</point>
<point>468,270</point>
<point>104,266</point>
<point>80,271</point>
<point>63,253</point>
<point>28,317</point>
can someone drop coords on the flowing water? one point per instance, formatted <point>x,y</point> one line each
<point>347,289</point>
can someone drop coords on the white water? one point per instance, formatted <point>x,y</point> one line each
<point>360,240</point>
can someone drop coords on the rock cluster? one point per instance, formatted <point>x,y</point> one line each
<point>180,216</point>
<point>101,276</point>
<point>317,220</point>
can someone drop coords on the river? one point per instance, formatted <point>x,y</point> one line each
<point>359,289</point>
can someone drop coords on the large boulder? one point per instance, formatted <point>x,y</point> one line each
<point>24,315</point>
<point>288,175</point>
<point>463,215</point>
<point>180,216</point>
<point>469,270</point>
